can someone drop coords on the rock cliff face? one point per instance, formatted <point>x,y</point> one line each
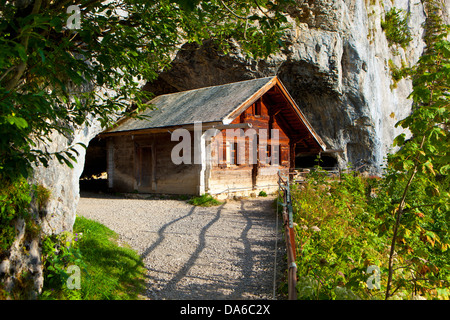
<point>21,273</point>
<point>336,67</point>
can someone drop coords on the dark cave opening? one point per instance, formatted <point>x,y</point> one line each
<point>94,176</point>
<point>327,162</point>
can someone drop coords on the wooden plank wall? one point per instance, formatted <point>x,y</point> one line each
<point>227,176</point>
<point>120,164</point>
<point>166,177</point>
<point>131,153</point>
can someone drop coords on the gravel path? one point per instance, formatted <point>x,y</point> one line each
<point>223,252</point>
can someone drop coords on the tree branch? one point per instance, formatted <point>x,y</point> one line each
<point>260,9</point>
<point>21,67</point>
<point>232,12</point>
<point>6,72</point>
<point>399,213</point>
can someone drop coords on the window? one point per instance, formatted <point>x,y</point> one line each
<point>270,127</point>
<point>223,154</point>
<point>234,153</point>
<point>264,153</point>
<point>228,153</point>
<point>275,153</point>
<point>257,107</point>
<point>284,161</point>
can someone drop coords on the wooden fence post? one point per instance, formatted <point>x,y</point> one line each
<point>289,236</point>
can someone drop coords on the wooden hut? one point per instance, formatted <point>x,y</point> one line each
<point>224,139</point>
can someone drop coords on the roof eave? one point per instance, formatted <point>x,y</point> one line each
<point>300,114</point>
<point>269,85</point>
<point>169,129</point>
<point>247,103</point>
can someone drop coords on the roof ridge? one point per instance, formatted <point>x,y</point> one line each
<point>209,87</point>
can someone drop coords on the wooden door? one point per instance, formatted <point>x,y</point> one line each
<point>145,167</point>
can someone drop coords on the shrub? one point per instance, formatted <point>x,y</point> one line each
<point>15,201</point>
<point>344,226</point>
<point>395,25</point>
<point>336,238</point>
<point>59,252</point>
<point>205,200</point>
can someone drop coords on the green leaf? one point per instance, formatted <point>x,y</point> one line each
<point>22,52</point>
<point>408,165</point>
<point>444,170</point>
<point>19,122</point>
<point>399,140</point>
<point>429,167</point>
<point>82,144</point>
<point>41,53</point>
<point>62,160</point>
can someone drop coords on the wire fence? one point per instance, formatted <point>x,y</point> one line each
<point>284,199</point>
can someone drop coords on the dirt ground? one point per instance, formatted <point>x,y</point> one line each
<point>231,251</point>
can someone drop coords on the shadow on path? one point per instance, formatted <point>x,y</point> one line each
<point>224,252</point>
<point>161,235</point>
<point>183,272</point>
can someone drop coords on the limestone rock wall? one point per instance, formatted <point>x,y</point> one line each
<point>336,67</point>
<point>21,273</point>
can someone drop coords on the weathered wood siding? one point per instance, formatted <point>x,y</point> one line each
<point>227,176</point>
<point>143,163</point>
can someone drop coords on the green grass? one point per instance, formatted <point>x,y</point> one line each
<point>205,200</point>
<point>113,272</point>
<point>108,271</point>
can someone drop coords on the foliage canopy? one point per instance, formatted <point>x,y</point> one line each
<point>422,161</point>
<point>55,78</point>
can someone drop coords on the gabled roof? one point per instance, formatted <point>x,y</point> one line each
<point>214,105</point>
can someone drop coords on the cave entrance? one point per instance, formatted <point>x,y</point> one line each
<point>94,177</point>
<point>309,161</point>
